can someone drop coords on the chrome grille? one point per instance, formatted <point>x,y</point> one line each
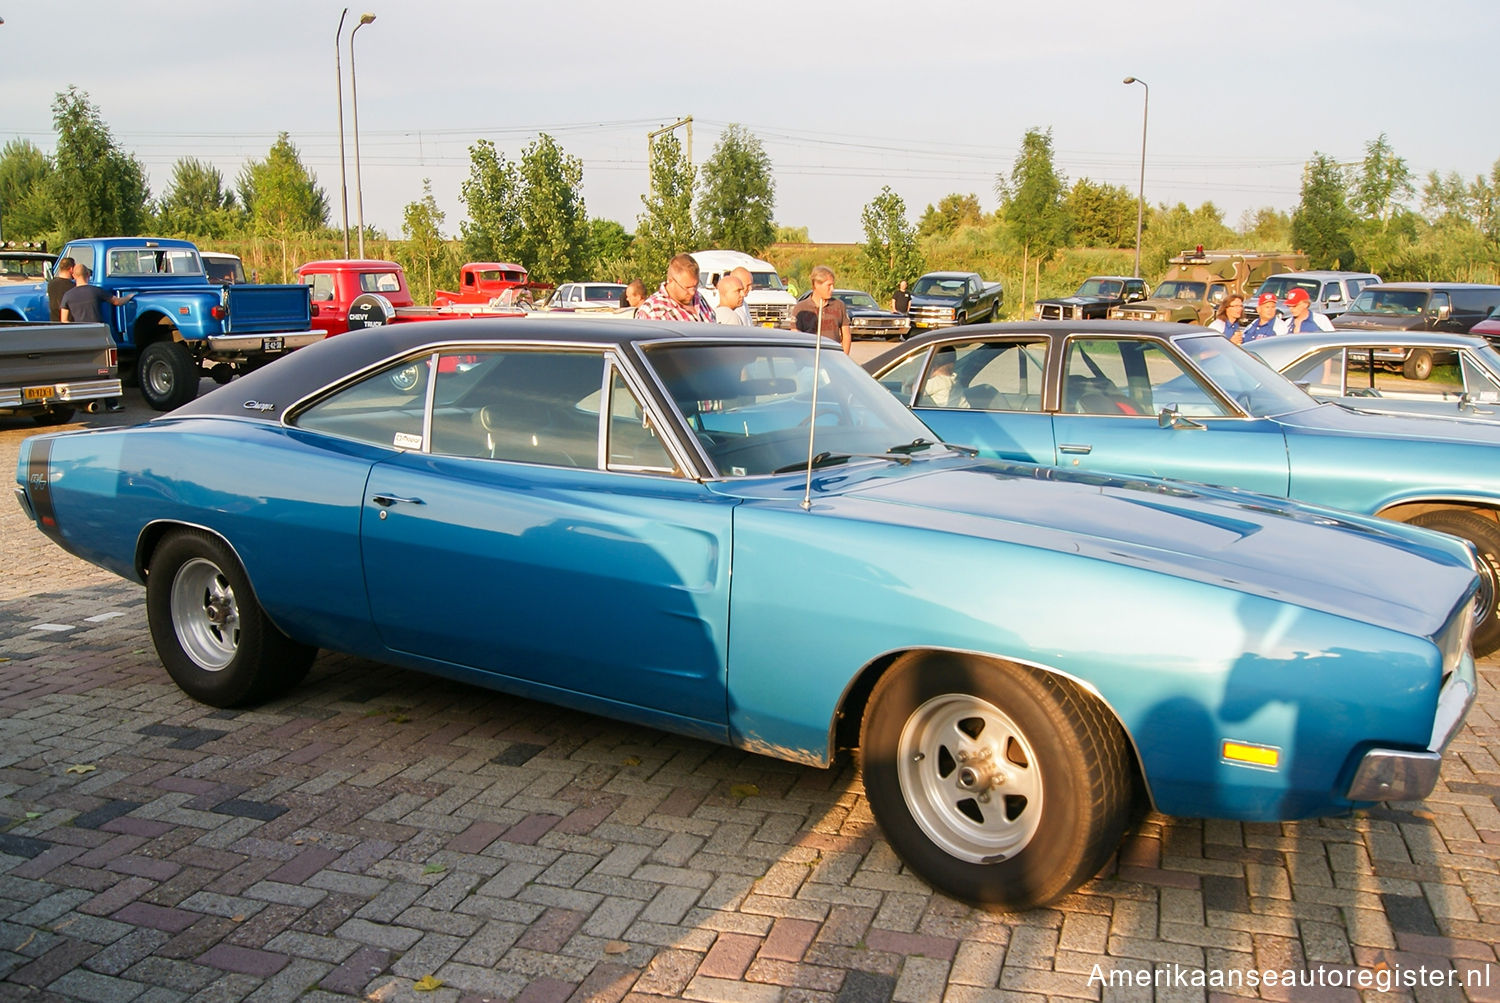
<point>770,313</point>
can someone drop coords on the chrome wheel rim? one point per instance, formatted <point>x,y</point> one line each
<point>159,378</point>
<point>406,379</point>
<point>205,614</point>
<point>970,778</point>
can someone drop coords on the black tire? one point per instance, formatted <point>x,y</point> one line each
<point>168,375</point>
<point>1484,534</point>
<point>55,416</point>
<point>1418,364</point>
<point>1064,783</point>
<point>210,632</point>
<point>409,379</point>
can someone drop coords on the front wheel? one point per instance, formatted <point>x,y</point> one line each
<point>168,375</point>
<point>998,785</point>
<point>1484,534</point>
<point>1418,364</point>
<point>210,632</point>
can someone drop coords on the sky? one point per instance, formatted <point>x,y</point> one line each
<point>846,97</point>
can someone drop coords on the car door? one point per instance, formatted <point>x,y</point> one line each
<point>986,393</point>
<point>1110,418</point>
<point>507,540</point>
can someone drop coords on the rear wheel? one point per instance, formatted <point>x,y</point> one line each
<point>1418,364</point>
<point>210,632</point>
<point>998,785</point>
<point>168,375</point>
<point>1484,534</point>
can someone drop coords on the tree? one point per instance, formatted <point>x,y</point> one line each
<point>282,198</point>
<point>421,225</point>
<point>25,211</point>
<point>1267,228</point>
<point>890,251</point>
<point>1382,185</point>
<point>553,238</point>
<point>1322,222</point>
<point>95,188</point>
<point>1032,201</point>
<point>493,228</point>
<point>196,203</point>
<point>951,212</point>
<point>1102,215</point>
<point>608,250</point>
<point>1171,229</point>
<point>737,200</point>
<point>666,227</point>
<point>792,235</point>
<point>1447,198</point>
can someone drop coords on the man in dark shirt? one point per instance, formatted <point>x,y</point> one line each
<point>821,312</point>
<point>80,305</point>
<point>60,283</point>
<point>901,301</point>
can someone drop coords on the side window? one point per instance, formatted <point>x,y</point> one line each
<point>82,254</point>
<point>1333,293</point>
<point>901,379</point>
<point>1480,385</point>
<point>322,286</point>
<point>1322,372</point>
<point>987,376</point>
<point>632,442</point>
<point>1131,378</point>
<point>385,409</point>
<point>1437,304</point>
<point>1216,293</point>
<point>518,405</point>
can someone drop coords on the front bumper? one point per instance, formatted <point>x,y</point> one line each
<point>1400,775</point>
<point>71,392</point>
<point>255,344</point>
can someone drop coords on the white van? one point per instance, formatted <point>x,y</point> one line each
<point>769,302</point>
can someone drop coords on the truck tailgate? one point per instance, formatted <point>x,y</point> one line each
<point>38,354</point>
<point>256,309</point>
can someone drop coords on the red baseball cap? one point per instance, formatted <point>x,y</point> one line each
<point>1296,296</point>
<point>1266,298</point>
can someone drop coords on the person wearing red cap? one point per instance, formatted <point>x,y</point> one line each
<point>1303,319</point>
<point>1266,323</point>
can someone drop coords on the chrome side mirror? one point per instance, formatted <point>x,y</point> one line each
<point>1170,417</point>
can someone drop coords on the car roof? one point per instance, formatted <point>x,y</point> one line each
<point>1432,285</point>
<point>348,265</point>
<point>309,369</point>
<point>1374,339</point>
<point>1315,273</point>
<point>948,275</point>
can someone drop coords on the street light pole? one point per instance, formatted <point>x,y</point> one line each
<point>1140,200</point>
<point>359,190</point>
<point>343,167</point>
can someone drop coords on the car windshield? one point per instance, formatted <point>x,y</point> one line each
<point>1390,302</point>
<point>750,405</point>
<point>942,288</point>
<point>379,282</point>
<point>1180,291</point>
<point>1100,287</point>
<point>1283,284</point>
<point>24,268</point>
<point>1244,378</point>
<point>862,300</point>
<point>488,275</point>
<point>603,293</point>
<point>765,280</point>
<point>226,271</point>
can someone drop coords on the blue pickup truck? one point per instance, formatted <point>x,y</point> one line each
<point>177,319</point>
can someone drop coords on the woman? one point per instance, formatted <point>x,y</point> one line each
<point>1228,322</point>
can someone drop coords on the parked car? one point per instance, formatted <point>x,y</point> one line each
<point>767,300</point>
<point>1329,293</point>
<point>1094,298</point>
<point>48,371</point>
<point>479,282</point>
<point>336,283</point>
<point>25,262</point>
<point>1185,403</point>
<point>952,299</point>
<point>587,296</point>
<point>176,320</point>
<point>868,319</point>
<point>1449,307</point>
<point>1010,647</point>
<point>223,269</point>
<point>1489,327</point>
<point>1197,281</point>
<point>1368,370</point>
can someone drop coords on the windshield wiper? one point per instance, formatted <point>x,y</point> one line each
<point>823,459</point>
<point>915,445</point>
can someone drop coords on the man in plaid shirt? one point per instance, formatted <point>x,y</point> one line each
<point>678,298</point>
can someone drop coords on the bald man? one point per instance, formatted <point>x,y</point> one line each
<point>747,282</point>
<point>731,298</point>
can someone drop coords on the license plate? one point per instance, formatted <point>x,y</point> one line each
<point>270,344</point>
<point>38,393</point>
<point>768,323</point>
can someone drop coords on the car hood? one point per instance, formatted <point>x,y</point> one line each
<point>1156,304</point>
<point>1334,419</point>
<point>1082,300</point>
<point>1268,547</point>
<point>875,313</point>
<point>1375,322</point>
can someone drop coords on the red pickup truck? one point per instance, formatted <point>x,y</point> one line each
<point>349,294</point>
<point>482,281</point>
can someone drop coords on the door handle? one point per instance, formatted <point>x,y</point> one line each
<point>386,501</point>
<point>1074,447</point>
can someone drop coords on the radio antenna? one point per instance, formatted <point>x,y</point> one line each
<point>812,422</point>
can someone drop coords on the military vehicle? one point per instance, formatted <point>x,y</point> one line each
<point>1198,280</point>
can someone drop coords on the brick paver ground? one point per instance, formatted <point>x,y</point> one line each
<point>379,832</point>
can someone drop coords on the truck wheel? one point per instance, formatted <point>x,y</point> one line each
<point>998,785</point>
<point>1484,534</point>
<point>168,374</point>
<point>1418,364</point>
<point>210,632</point>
